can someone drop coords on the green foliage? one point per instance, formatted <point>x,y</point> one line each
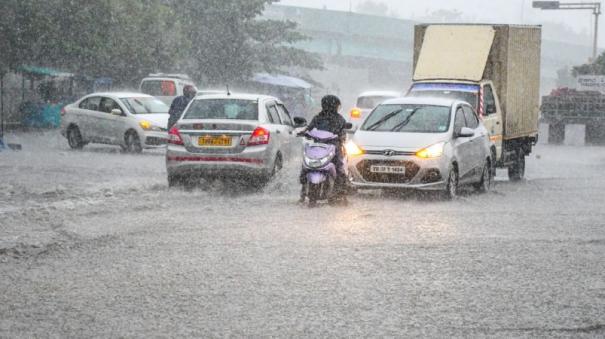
<point>217,41</point>
<point>596,68</point>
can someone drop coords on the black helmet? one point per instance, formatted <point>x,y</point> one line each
<point>330,103</point>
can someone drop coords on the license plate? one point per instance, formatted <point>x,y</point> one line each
<point>208,140</point>
<point>387,169</point>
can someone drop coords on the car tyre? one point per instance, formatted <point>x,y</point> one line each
<point>451,187</point>
<point>132,142</point>
<point>485,183</point>
<point>517,171</point>
<point>74,138</point>
<point>174,180</point>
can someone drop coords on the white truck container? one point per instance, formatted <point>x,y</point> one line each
<point>496,68</point>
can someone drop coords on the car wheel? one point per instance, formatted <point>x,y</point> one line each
<point>517,171</point>
<point>74,138</point>
<point>451,188</point>
<point>486,179</point>
<point>174,180</point>
<point>132,142</point>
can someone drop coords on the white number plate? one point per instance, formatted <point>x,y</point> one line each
<point>387,169</point>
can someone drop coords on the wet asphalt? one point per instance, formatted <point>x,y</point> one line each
<point>94,244</point>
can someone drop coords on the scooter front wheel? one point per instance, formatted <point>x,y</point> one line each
<point>313,194</point>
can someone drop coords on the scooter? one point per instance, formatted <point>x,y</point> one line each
<point>319,170</point>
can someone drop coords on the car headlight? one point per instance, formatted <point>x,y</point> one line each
<point>148,126</point>
<point>317,163</point>
<point>433,151</point>
<point>352,149</point>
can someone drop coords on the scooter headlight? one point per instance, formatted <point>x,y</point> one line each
<point>317,163</point>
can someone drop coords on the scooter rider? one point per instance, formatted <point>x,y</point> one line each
<point>330,120</point>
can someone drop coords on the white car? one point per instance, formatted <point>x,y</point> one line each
<point>366,101</point>
<point>131,120</point>
<point>231,135</point>
<point>421,143</point>
<point>165,87</point>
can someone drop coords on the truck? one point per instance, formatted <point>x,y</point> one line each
<point>495,68</point>
<point>564,106</point>
<point>164,86</point>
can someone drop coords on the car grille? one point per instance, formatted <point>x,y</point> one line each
<point>411,169</point>
<point>155,141</point>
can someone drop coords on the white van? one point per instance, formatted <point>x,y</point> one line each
<point>165,87</point>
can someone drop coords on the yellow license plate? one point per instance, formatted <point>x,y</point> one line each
<point>214,141</point>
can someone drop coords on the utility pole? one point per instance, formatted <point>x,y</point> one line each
<point>595,7</point>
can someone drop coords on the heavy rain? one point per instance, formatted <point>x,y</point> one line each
<point>303,168</point>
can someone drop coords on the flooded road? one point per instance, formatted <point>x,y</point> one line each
<point>93,243</point>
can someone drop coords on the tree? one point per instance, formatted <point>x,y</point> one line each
<point>595,68</point>
<point>229,42</point>
<point>219,41</point>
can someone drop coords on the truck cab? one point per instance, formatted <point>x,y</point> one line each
<point>165,87</point>
<point>480,95</point>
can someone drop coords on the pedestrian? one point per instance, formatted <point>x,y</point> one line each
<point>179,104</point>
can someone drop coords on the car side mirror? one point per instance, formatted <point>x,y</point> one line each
<point>116,111</point>
<point>299,122</point>
<point>348,126</point>
<point>465,132</point>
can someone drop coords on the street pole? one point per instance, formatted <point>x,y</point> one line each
<point>1,105</point>
<point>597,12</point>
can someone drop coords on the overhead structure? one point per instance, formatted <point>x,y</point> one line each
<point>595,7</point>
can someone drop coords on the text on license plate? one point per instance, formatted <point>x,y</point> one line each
<point>208,140</point>
<point>387,169</point>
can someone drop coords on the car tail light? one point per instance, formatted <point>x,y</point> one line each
<point>260,136</point>
<point>174,136</point>
<point>355,113</point>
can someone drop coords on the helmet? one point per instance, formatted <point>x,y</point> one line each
<point>189,91</point>
<point>330,103</point>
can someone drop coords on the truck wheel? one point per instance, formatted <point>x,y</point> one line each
<point>556,133</point>
<point>517,171</point>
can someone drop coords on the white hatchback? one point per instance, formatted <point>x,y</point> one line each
<point>131,120</point>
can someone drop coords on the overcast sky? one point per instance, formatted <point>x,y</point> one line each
<point>500,11</point>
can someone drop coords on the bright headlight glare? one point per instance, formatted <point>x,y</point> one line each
<point>433,151</point>
<point>146,125</point>
<point>352,149</point>
<point>317,162</point>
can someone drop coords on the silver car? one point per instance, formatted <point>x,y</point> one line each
<point>421,143</point>
<point>131,120</point>
<point>230,135</point>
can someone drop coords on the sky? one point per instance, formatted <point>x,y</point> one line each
<point>499,11</point>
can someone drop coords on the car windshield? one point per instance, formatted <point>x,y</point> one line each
<point>144,105</point>
<point>469,97</point>
<point>409,118</point>
<point>371,101</point>
<point>237,109</point>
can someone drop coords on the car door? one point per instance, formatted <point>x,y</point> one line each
<point>288,135</point>
<point>462,146</point>
<point>277,129</point>
<point>87,121</point>
<point>477,146</point>
<point>114,126</point>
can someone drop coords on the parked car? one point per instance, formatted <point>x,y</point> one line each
<point>421,143</point>
<point>230,135</point>
<point>165,87</point>
<point>366,101</point>
<point>131,120</point>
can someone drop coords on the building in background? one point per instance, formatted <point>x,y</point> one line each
<point>364,52</point>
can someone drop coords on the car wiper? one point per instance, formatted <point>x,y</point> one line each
<point>406,121</point>
<point>383,120</point>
